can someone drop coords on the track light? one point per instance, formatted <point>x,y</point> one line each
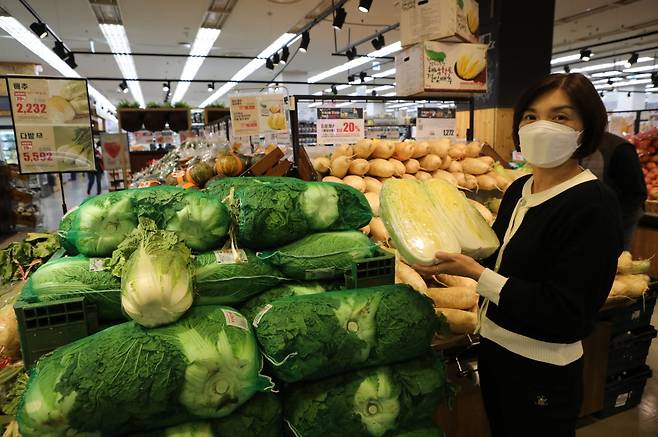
<point>269,64</point>
<point>654,78</point>
<point>339,18</point>
<point>166,86</point>
<point>378,42</point>
<point>211,87</point>
<point>610,82</point>
<point>585,55</point>
<point>123,87</point>
<point>363,76</point>
<point>628,94</point>
<point>285,54</point>
<point>373,93</point>
<point>351,53</point>
<point>350,78</point>
<point>364,5</point>
<point>306,40</point>
<point>334,90</point>
<point>567,69</point>
<point>632,60</point>
<point>59,49</point>
<point>601,94</point>
<point>40,29</point>
<point>275,58</point>
<point>70,60</point>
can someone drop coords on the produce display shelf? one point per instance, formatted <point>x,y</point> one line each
<point>629,351</point>
<point>625,392</point>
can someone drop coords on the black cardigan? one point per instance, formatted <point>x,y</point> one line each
<point>561,262</point>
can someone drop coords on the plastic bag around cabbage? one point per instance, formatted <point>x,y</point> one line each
<point>127,378</point>
<point>325,255</point>
<point>318,335</point>
<point>76,276</point>
<point>378,401</point>
<point>98,226</point>
<point>274,211</point>
<point>228,277</point>
<point>254,305</point>
<point>260,416</point>
<point>418,230</point>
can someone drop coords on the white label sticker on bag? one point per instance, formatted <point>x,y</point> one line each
<point>622,399</point>
<point>228,256</point>
<point>236,319</point>
<point>96,264</point>
<point>260,315</point>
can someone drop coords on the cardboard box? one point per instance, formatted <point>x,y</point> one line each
<point>431,20</point>
<point>435,68</point>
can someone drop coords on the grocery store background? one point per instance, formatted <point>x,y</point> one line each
<point>613,42</point>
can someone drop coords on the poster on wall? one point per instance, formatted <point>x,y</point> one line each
<point>52,124</point>
<point>115,151</point>
<point>434,122</point>
<point>340,125</point>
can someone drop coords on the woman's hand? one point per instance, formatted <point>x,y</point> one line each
<point>453,264</point>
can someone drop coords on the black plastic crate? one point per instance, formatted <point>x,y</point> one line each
<point>629,351</point>
<point>371,272</point>
<point>629,317</point>
<point>45,326</point>
<point>625,392</point>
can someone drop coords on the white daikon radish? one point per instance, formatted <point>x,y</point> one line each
<point>470,182</point>
<point>365,229</point>
<point>423,176</point>
<point>343,150</point>
<point>332,179</point>
<point>359,167</point>
<point>475,166</point>
<point>461,179</point>
<point>381,168</point>
<point>408,176</point>
<point>446,162</point>
<point>473,149</point>
<point>430,163</point>
<point>355,182</point>
<point>364,148</point>
<point>457,151</point>
<point>486,182</point>
<point>406,275</point>
<point>322,164</point>
<point>488,216</point>
<point>398,167</point>
<point>421,149</point>
<point>403,150</point>
<point>373,201</point>
<point>458,298</point>
<point>455,167</point>
<point>488,159</point>
<point>412,166</point>
<point>372,185</point>
<point>440,147</point>
<point>460,321</point>
<point>340,166</point>
<point>456,281</point>
<point>501,182</point>
<point>383,149</point>
<point>378,230</point>
<point>446,176</point>
<point>624,262</point>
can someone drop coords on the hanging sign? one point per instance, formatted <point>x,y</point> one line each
<point>244,116</point>
<point>435,123</point>
<point>115,151</point>
<point>272,114</point>
<point>339,125</point>
<point>255,115</point>
<point>52,124</point>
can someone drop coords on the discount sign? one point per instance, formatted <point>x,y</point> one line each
<point>340,125</point>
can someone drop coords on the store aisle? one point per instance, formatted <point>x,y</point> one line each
<point>74,191</point>
<point>641,421</point>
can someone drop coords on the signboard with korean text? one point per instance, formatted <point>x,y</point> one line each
<point>433,122</point>
<point>244,116</point>
<point>258,114</point>
<point>115,151</point>
<point>339,125</point>
<point>52,124</point>
<point>272,111</point>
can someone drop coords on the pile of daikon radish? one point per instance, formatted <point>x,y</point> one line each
<point>458,163</point>
<point>632,279</point>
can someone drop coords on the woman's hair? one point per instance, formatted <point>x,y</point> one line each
<point>584,98</point>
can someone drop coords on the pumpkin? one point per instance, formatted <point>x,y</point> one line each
<point>199,173</point>
<point>229,165</point>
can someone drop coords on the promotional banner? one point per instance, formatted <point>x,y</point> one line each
<point>435,123</point>
<point>255,115</point>
<point>52,124</point>
<point>115,151</point>
<point>340,125</point>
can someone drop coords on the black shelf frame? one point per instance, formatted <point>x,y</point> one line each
<point>293,102</point>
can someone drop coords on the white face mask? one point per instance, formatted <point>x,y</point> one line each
<point>546,144</point>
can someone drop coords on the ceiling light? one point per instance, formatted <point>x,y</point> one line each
<point>166,86</point>
<point>339,18</point>
<point>377,43</point>
<point>275,58</point>
<point>585,55</point>
<point>306,40</point>
<point>632,60</point>
<point>70,60</point>
<point>269,64</point>
<point>40,29</point>
<point>351,53</point>
<point>654,79</point>
<point>350,78</point>
<point>362,76</point>
<point>285,54</point>
<point>384,51</point>
<point>123,87</point>
<point>59,49</point>
<point>203,43</point>
<point>610,82</point>
<point>567,69</point>
<point>249,68</point>
<point>567,58</point>
<point>115,35</point>
<point>389,72</point>
<point>601,94</point>
<point>364,5</point>
<point>334,91</point>
<point>628,94</point>
<point>211,87</point>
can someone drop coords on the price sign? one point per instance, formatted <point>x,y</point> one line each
<point>52,124</point>
<point>115,151</point>
<point>435,123</point>
<point>244,116</point>
<point>340,125</point>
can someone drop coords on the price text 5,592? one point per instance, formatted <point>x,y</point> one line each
<point>31,108</point>
<point>37,156</point>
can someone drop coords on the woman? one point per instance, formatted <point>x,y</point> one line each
<point>98,174</point>
<point>560,234</point>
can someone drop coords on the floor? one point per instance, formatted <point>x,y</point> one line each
<point>637,422</point>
